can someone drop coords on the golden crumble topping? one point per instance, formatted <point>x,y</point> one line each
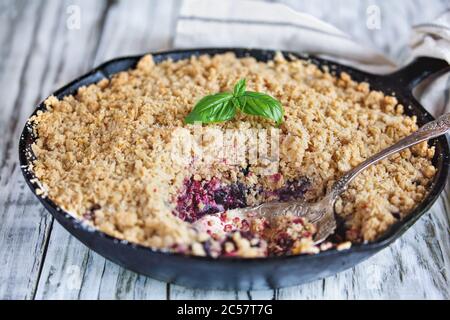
<point>106,155</point>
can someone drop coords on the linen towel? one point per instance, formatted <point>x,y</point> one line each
<point>227,23</point>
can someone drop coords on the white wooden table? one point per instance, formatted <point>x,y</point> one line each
<point>41,48</point>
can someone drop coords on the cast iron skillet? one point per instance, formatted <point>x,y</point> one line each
<point>240,273</point>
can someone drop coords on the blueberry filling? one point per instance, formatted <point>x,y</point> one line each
<point>200,198</point>
<point>294,189</point>
<point>216,199</point>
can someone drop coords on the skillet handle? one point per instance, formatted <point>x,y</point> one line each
<point>417,71</point>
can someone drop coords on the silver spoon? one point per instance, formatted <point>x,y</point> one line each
<point>321,213</point>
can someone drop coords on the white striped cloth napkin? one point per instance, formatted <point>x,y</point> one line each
<point>227,23</point>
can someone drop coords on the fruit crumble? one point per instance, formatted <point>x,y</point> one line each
<point>110,155</point>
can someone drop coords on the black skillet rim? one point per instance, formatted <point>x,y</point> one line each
<point>375,81</point>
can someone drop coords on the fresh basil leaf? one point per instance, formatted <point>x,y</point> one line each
<point>213,108</point>
<point>235,102</point>
<point>222,106</point>
<point>239,88</point>
<point>260,104</point>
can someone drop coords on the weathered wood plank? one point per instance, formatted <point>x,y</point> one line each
<point>24,229</point>
<point>33,65</point>
<point>25,226</point>
<point>71,271</point>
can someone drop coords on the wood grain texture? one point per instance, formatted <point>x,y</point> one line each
<point>24,225</point>
<point>39,53</point>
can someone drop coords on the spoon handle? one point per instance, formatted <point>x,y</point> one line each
<point>430,130</point>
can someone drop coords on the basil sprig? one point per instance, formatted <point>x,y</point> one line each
<point>222,106</point>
